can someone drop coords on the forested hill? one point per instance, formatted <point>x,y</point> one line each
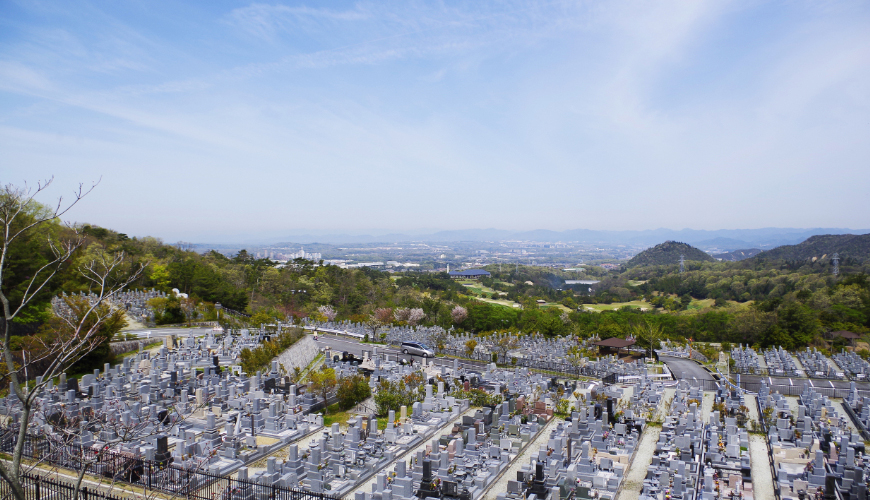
<point>737,255</point>
<point>668,253</point>
<point>849,246</point>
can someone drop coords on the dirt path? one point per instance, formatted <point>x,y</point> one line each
<point>642,459</point>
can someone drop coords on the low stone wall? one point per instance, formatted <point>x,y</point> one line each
<point>299,354</point>
<point>127,346</point>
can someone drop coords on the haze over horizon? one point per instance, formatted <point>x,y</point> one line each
<point>226,121</point>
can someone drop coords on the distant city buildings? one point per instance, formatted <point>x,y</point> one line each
<point>302,254</point>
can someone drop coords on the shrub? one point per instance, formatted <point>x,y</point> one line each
<point>477,397</point>
<point>259,358</point>
<point>353,391</point>
<point>393,395</point>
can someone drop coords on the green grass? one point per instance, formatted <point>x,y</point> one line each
<point>616,305</point>
<point>341,418</point>
<point>312,365</point>
<point>500,302</point>
<point>134,352</point>
<point>556,305</point>
<point>337,417</point>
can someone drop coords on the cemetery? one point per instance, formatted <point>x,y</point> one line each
<point>185,405</point>
<point>746,360</point>
<point>855,367</point>
<point>134,302</point>
<point>781,363</point>
<point>188,404</point>
<point>727,462</point>
<point>816,451</point>
<point>817,365</point>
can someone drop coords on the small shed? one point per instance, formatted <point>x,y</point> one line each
<point>613,345</point>
<point>850,337</point>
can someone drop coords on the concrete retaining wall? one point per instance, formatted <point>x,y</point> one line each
<point>299,354</point>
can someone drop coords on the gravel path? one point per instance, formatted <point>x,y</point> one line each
<point>510,474</point>
<point>707,406</point>
<point>664,406</point>
<point>842,413</point>
<point>633,482</point>
<point>753,408</point>
<point>762,481</point>
<point>797,362</point>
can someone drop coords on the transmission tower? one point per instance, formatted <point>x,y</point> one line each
<point>836,260</point>
<point>682,263</point>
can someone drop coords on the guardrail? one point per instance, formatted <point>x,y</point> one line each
<point>345,333</point>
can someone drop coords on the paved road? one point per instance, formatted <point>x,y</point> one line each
<point>686,368</point>
<point>339,344</point>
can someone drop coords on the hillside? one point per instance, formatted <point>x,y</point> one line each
<point>668,253</point>
<point>849,246</point>
<point>736,255</point>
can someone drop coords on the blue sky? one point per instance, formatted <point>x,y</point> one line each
<point>224,120</point>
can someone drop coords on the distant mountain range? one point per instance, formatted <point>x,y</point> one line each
<point>722,239</point>
<point>668,253</point>
<point>814,248</point>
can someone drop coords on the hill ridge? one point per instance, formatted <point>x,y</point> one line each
<point>668,253</point>
<point>822,247</point>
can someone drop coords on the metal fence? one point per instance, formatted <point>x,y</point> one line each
<point>767,372</point>
<point>41,487</point>
<point>785,389</point>
<point>150,475</point>
<point>566,369</point>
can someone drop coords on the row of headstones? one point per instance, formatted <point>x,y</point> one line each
<point>145,403</point>
<point>589,454</point>
<point>816,364</point>
<point>837,455</point>
<point>853,365</point>
<point>676,462</point>
<point>463,462</point>
<point>745,359</point>
<point>780,362</point>
<point>134,301</point>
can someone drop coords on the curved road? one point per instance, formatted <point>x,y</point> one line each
<point>686,368</point>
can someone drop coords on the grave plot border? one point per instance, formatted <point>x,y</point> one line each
<point>519,454</point>
<point>855,420</point>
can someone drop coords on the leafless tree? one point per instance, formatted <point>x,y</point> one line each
<point>21,217</point>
